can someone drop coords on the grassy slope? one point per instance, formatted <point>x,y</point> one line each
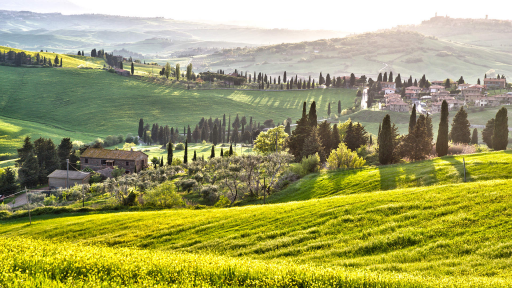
<point>84,104</point>
<point>439,171</point>
<point>71,61</point>
<point>451,230</point>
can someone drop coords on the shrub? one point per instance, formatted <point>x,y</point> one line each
<point>180,146</point>
<point>163,195</point>
<point>287,178</point>
<point>209,192</point>
<point>50,201</point>
<point>222,202</point>
<point>188,184</point>
<point>460,149</point>
<point>310,164</point>
<point>129,138</point>
<point>342,157</point>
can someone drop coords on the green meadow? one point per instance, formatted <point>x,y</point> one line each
<point>88,103</point>
<point>457,234</point>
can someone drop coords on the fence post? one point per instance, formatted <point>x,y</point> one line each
<point>28,200</point>
<point>464,162</point>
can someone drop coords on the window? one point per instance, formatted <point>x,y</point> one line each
<point>127,163</point>
<point>103,162</point>
<point>86,161</point>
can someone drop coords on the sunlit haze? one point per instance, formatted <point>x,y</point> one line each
<point>349,16</point>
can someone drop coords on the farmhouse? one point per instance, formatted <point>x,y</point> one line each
<point>412,91</point>
<point>505,98</point>
<point>487,101</point>
<point>399,106</point>
<point>388,85</point>
<point>436,88</point>
<point>471,97</point>
<point>388,90</point>
<point>392,98</point>
<point>58,178</point>
<point>99,158</point>
<point>452,104</point>
<point>494,83</point>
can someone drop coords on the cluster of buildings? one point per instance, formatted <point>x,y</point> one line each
<point>430,99</point>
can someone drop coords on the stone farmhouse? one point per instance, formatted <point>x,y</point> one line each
<point>412,91</point>
<point>494,83</point>
<point>99,159</point>
<point>436,88</point>
<point>453,104</point>
<point>487,101</point>
<point>398,106</point>
<point>388,85</point>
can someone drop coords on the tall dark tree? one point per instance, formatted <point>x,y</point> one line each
<point>287,129</point>
<point>170,153</point>
<point>215,135</point>
<point>460,132</point>
<point>442,133</point>
<point>185,157</point>
<point>474,137</point>
<point>335,138</point>
<point>312,118</point>
<point>339,106</point>
<point>329,109</point>
<point>387,142</point>
<point>325,134</point>
<point>313,145</point>
<point>64,152</point>
<point>189,134</point>
<point>212,154</point>
<point>412,119</point>
<point>133,69</point>
<point>195,156</point>
<point>500,134</point>
<point>24,151</point>
<point>488,132</point>
<point>230,149</point>
<point>296,140</point>
<point>141,128</point>
<point>29,172</point>
<point>416,145</point>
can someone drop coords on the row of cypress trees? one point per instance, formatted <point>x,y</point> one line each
<point>418,143</point>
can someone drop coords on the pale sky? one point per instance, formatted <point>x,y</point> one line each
<point>349,16</point>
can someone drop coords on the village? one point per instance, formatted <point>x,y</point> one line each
<point>429,99</point>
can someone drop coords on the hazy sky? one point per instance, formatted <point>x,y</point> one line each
<point>350,16</point>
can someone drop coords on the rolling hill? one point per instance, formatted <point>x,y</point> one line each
<point>88,103</point>
<point>404,52</point>
<point>447,235</point>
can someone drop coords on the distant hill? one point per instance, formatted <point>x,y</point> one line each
<point>489,33</point>
<point>405,52</point>
<point>65,33</point>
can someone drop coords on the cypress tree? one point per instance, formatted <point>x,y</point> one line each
<point>488,132</point>
<point>500,133</point>
<point>195,156</point>
<point>412,119</point>
<point>141,128</point>
<point>230,149</point>
<point>185,157</point>
<point>162,161</point>
<point>301,132</point>
<point>312,118</point>
<point>133,69</point>
<point>215,135</point>
<point>386,142</point>
<point>329,109</point>
<point>378,133</point>
<point>336,138</point>
<point>460,132</point>
<point>229,128</point>
<point>287,129</point>
<point>212,155</point>
<point>222,150</point>
<point>170,153</point>
<point>474,138</point>
<point>442,133</point>
<point>339,107</point>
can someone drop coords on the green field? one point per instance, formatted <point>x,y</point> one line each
<point>439,171</point>
<point>69,61</point>
<point>454,235</point>
<point>85,104</point>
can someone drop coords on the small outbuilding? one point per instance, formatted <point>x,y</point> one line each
<point>58,178</point>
